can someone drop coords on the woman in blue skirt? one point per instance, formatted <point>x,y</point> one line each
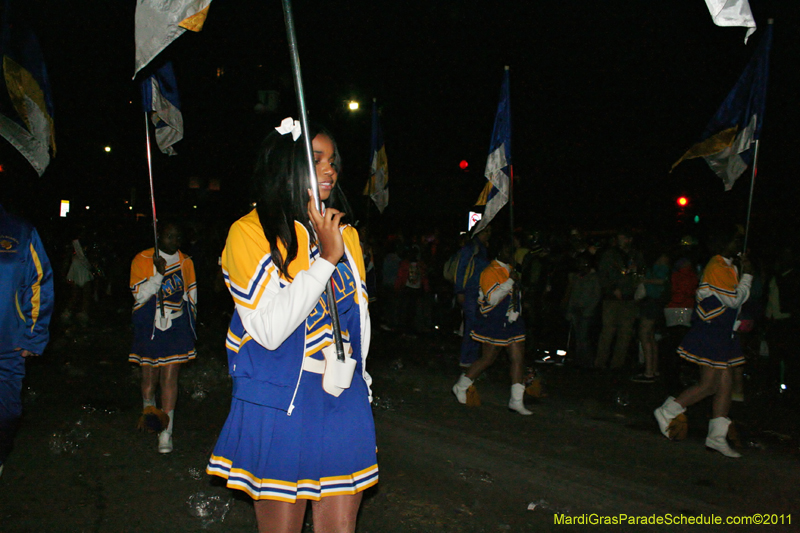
<point>164,291</point>
<point>711,342</point>
<point>499,324</point>
<point>289,437</point>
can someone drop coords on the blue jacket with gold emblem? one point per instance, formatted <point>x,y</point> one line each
<point>26,287</point>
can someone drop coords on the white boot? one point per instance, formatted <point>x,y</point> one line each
<point>165,437</point>
<point>717,433</point>
<point>516,403</point>
<point>460,388</point>
<point>666,413</point>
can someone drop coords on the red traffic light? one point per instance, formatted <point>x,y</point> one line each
<point>683,201</point>
<point>463,164</point>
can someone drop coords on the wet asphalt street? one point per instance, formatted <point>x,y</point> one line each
<point>591,448</point>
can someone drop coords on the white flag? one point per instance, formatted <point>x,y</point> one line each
<point>159,22</point>
<point>732,13</point>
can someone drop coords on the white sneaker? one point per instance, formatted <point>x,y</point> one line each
<point>165,442</point>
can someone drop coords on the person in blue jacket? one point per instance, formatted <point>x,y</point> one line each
<point>26,304</point>
<point>472,260</point>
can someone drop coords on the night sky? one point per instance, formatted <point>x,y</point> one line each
<point>605,96</point>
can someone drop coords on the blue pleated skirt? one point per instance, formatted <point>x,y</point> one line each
<point>706,345</point>
<point>497,330</point>
<point>325,448</point>
<point>176,345</point>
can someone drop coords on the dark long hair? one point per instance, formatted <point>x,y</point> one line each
<point>280,189</point>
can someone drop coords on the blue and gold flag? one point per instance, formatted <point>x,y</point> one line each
<point>728,143</point>
<point>495,193</point>
<point>378,185</point>
<point>26,105</point>
<point>161,101</point>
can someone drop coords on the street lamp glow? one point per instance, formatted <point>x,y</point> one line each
<point>107,149</point>
<point>352,105</point>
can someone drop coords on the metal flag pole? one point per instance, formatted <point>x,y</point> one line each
<point>511,166</point>
<point>750,201</point>
<point>312,175</point>
<point>770,21</point>
<point>515,292</point>
<point>159,297</point>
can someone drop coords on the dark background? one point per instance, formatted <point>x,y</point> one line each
<point>605,96</point>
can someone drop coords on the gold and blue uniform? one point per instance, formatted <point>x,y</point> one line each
<point>497,302</point>
<point>711,340</point>
<point>169,339</point>
<point>285,437</point>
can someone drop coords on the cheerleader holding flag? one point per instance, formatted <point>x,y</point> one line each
<point>300,426</point>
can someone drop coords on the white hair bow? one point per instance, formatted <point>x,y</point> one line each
<point>290,125</point>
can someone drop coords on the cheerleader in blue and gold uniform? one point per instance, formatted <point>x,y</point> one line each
<point>286,440</point>
<point>712,344</point>
<point>499,325</point>
<point>162,340</point>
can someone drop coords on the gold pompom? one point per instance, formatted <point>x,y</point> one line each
<point>678,428</point>
<point>153,420</point>
<point>473,398</point>
<point>534,390</point>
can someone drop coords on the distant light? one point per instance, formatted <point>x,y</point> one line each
<point>1,168</point>
<point>683,201</point>
<point>107,149</point>
<point>87,207</point>
<point>130,208</point>
<point>561,352</point>
<point>352,105</point>
<point>783,386</point>
<point>64,208</point>
<point>697,219</point>
<point>194,207</point>
<point>463,165</point>
<point>220,71</point>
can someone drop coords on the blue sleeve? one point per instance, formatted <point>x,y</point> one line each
<point>36,296</point>
<point>464,257</point>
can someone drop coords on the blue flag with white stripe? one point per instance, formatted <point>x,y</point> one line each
<point>161,101</point>
<point>728,143</point>
<point>495,194</point>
